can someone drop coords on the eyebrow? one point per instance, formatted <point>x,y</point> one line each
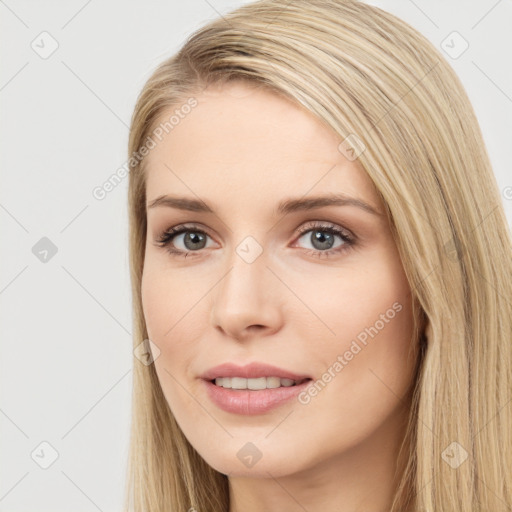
<point>284,207</point>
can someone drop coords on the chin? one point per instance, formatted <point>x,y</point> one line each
<point>248,461</point>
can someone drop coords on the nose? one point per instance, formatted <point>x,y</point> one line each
<point>246,302</point>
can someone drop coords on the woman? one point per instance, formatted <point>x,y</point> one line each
<point>321,273</point>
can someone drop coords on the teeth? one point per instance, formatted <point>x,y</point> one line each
<point>254,384</point>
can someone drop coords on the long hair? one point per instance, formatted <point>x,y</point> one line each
<point>397,105</point>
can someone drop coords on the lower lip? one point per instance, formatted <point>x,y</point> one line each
<point>250,402</point>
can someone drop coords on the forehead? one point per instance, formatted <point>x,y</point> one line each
<point>252,143</point>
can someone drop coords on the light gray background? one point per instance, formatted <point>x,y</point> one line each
<point>66,357</point>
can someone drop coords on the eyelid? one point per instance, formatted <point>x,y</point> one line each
<point>320,224</point>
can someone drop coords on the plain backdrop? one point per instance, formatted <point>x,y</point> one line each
<point>69,78</point>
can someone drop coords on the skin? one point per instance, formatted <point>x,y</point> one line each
<point>242,150</point>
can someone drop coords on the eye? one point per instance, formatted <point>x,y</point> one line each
<point>193,240</point>
<point>322,238</point>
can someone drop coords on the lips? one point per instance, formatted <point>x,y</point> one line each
<point>251,371</point>
<point>249,402</point>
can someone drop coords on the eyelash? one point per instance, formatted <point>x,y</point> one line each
<point>165,239</point>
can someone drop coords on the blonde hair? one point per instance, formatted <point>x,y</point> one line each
<point>380,84</point>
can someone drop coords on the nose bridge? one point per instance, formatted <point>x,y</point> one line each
<point>245,281</point>
<point>245,297</point>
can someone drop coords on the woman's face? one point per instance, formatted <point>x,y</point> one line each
<point>270,273</point>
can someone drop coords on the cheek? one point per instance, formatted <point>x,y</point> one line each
<point>162,311</point>
<point>365,372</point>
<point>368,311</point>
<point>166,301</point>
<point>163,308</point>
<point>352,299</point>
<point>170,308</point>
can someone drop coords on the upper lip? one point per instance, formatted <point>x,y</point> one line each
<point>251,371</point>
